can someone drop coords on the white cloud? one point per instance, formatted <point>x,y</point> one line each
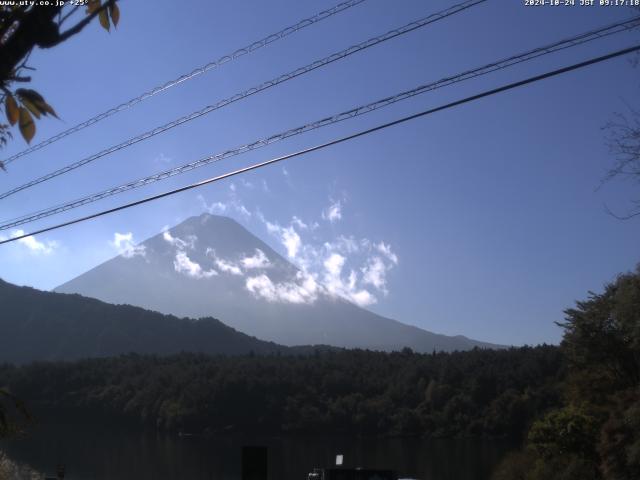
<point>337,285</point>
<point>232,187</point>
<point>162,159</point>
<point>216,207</point>
<point>344,244</point>
<point>221,208</point>
<point>33,245</point>
<point>242,210</point>
<point>387,252</point>
<point>299,223</point>
<point>228,267</point>
<point>224,265</point>
<point>374,273</point>
<point>303,290</point>
<point>303,225</point>
<point>125,246</point>
<point>362,298</point>
<point>183,264</point>
<point>291,241</point>
<point>334,264</point>
<point>347,267</point>
<point>246,184</point>
<point>258,260</point>
<point>178,242</point>
<point>333,212</point>
<point>288,237</point>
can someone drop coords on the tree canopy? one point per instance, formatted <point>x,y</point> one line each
<point>595,433</point>
<point>23,27</point>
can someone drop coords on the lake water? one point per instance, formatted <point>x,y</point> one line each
<point>108,452</point>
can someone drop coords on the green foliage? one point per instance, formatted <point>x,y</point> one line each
<point>13,414</point>
<point>23,27</point>
<point>567,431</point>
<point>353,392</point>
<point>602,336</point>
<point>596,433</point>
<point>619,446</point>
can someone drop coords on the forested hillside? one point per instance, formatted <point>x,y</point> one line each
<point>39,325</point>
<point>480,392</point>
<point>576,407</point>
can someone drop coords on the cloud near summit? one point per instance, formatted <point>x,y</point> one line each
<point>343,266</point>
<point>347,267</point>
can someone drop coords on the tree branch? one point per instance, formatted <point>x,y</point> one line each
<point>78,27</point>
<point>71,12</point>
<point>621,217</point>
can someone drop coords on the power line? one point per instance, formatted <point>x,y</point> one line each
<point>361,133</point>
<point>251,91</point>
<point>188,76</point>
<point>354,112</point>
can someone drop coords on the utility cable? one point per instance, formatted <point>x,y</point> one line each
<point>354,112</point>
<point>249,92</point>
<point>361,133</point>
<point>269,39</point>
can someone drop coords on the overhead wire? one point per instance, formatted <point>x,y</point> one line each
<point>249,92</point>
<point>343,139</point>
<point>269,39</point>
<point>354,112</point>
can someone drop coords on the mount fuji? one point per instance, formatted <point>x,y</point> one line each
<point>211,266</point>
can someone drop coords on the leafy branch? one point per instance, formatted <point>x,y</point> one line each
<point>23,28</point>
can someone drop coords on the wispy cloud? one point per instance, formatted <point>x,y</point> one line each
<point>125,246</point>
<point>288,237</point>
<point>258,260</point>
<point>347,267</point>
<point>225,266</point>
<point>247,184</point>
<point>304,289</point>
<point>344,286</point>
<point>183,264</point>
<point>162,159</point>
<point>385,249</point>
<point>222,208</point>
<point>32,244</point>
<point>375,273</point>
<point>179,243</point>
<point>333,212</point>
<point>304,225</point>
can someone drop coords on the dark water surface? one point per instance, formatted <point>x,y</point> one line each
<point>92,452</point>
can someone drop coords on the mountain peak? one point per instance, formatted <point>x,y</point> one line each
<point>212,266</point>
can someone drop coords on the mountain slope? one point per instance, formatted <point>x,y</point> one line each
<point>39,325</point>
<point>189,271</point>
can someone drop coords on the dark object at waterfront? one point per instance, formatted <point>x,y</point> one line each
<point>351,474</point>
<point>60,471</point>
<point>255,463</point>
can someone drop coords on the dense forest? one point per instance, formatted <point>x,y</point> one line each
<point>575,409</point>
<point>481,392</point>
<point>39,325</point>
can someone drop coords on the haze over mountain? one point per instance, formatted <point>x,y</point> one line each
<point>211,266</point>
<point>39,325</point>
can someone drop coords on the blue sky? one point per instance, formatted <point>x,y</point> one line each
<point>492,208</point>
